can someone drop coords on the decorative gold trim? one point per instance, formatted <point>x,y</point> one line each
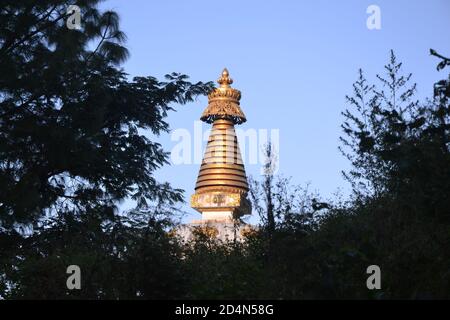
<point>221,189</point>
<point>229,183</point>
<point>223,102</point>
<point>216,201</point>
<point>222,166</point>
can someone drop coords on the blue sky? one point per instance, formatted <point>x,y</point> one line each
<point>294,62</point>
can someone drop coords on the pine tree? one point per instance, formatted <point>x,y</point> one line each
<point>376,125</point>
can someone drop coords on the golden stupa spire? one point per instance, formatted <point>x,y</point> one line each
<point>221,188</point>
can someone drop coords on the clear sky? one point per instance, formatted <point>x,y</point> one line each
<point>294,62</point>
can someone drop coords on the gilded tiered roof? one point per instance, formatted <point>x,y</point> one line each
<point>223,102</point>
<point>222,168</point>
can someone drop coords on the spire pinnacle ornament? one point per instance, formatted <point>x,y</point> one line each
<point>225,79</point>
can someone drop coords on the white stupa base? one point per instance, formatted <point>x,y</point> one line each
<point>223,231</point>
<point>217,216</point>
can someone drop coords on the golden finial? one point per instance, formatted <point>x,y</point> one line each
<point>225,79</point>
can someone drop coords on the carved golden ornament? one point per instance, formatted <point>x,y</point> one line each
<point>225,79</point>
<point>236,197</point>
<point>216,199</point>
<point>225,110</point>
<point>223,102</point>
<point>221,189</point>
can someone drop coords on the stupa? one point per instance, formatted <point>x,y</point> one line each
<point>222,188</point>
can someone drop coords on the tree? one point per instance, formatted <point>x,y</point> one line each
<point>74,143</point>
<point>442,98</point>
<point>399,149</point>
<point>375,127</point>
<point>72,124</point>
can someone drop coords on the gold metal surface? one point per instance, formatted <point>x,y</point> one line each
<point>218,183</point>
<point>216,199</point>
<point>222,166</point>
<point>224,177</point>
<point>226,189</point>
<point>223,171</point>
<point>223,160</point>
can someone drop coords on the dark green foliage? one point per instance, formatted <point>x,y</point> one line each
<point>72,147</point>
<point>70,118</point>
<point>119,260</point>
<point>221,270</point>
<point>74,143</point>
